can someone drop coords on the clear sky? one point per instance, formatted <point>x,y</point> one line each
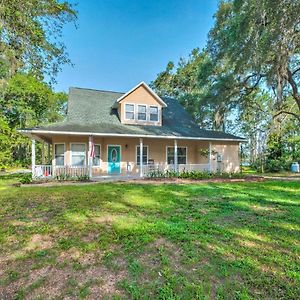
<point>120,43</point>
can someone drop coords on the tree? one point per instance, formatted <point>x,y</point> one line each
<point>5,143</point>
<point>261,42</point>
<point>246,79</point>
<point>30,49</point>
<point>188,83</point>
<point>26,102</point>
<point>30,33</point>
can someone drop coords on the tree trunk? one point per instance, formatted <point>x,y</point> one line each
<point>219,118</point>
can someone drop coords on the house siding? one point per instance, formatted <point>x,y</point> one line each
<point>139,96</point>
<point>230,157</point>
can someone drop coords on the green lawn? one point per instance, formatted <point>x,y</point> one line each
<point>116,241</point>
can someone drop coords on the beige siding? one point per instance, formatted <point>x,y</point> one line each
<point>140,96</point>
<point>157,151</point>
<point>230,157</point>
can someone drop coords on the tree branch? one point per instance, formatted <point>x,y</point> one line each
<point>293,84</point>
<point>295,71</point>
<point>288,113</point>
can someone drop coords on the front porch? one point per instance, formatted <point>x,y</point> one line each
<point>52,171</point>
<point>135,157</point>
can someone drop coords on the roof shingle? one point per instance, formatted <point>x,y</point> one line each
<point>92,111</point>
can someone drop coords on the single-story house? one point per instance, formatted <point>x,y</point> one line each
<point>134,133</point>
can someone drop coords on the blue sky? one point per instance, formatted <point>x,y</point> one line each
<point>119,43</point>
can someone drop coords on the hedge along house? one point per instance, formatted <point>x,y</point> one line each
<point>110,133</point>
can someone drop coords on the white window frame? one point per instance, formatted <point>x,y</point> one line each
<point>71,156</point>
<point>134,112</point>
<point>138,152</point>
<point>146,112</point>
<point>177,154</point>
<point>97,166</point>
<point>63,154</point>
<point>158,110</point>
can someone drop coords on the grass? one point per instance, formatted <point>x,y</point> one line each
<point>126,241</point>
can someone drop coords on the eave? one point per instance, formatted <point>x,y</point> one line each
<point>35,132</point>
<point>148,89</point>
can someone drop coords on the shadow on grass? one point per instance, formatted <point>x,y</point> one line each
<point>166,241</point>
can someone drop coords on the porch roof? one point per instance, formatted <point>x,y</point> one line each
<point>92,112</point>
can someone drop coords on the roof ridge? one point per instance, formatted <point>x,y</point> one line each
<point>148,88</point>
<point>96,90</point>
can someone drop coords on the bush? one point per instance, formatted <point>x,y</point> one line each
<point>278,165</point>
<point>66,177</point>
<point>83,178</point>
<point>63,177</point>
<point>157,174</point>
<point>196,175</point>
<point>26,178</point>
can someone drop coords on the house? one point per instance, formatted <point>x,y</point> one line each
<point>133,133</point>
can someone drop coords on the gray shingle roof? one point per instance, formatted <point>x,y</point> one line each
<point>91,111</point>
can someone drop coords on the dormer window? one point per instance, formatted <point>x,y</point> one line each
<point>129,111</point>
<point>140,106</point>
<point>153,113</point>
<point>142,112</point>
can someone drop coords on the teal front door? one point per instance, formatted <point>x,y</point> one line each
<point>114,159</point>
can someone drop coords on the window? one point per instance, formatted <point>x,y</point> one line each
<point>78,154</point>
<point>154,113</point>
<point>142,112</point>
<point>96,158</point>
<point>145,155</point>
<point>59,154</point>
<point>129,111</point>
<point>181,155</point>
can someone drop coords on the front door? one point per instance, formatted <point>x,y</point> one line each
<point>114,159</point>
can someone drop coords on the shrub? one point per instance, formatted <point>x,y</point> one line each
<point>26,178</point>
<point>66,177</point>
<point>156,174</point>
<point>83,178</point>
<point>196,175</point>
<point>63,177</point>
<point>278,165</point>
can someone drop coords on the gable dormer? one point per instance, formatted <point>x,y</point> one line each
<point>141,106</point>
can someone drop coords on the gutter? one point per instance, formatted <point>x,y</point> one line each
<point>128,135</point>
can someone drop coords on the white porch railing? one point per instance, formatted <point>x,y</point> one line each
<point>71,171</point>
<point>194,167</point>
<point>49,171</point>
<point>171,167</point>
<point>43,171</point>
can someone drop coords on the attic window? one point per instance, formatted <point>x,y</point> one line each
<point>142,112</point>
<point>129,111</point>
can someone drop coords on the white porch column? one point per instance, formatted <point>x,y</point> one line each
<point>175,156</point>
<point>33,158</point>
<point>209,157</point>
<point>90,158</point>
<point>141,158</point>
